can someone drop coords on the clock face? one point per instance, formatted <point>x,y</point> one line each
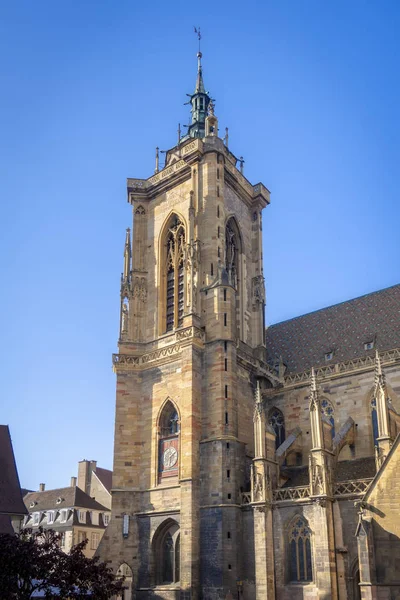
<point>170,457</point>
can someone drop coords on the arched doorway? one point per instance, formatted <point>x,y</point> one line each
<point>124,570</point>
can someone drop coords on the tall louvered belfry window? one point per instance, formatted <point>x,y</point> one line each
<point>175,247</point>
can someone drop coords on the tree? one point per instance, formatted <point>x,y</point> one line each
<point>34,562</point>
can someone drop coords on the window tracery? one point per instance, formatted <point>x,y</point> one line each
<point>166,547</point>
<point>329,413</point>
<point>300,560</point>
<point>175,249</point>
<point>277,422</point>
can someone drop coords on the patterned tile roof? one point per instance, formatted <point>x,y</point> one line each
<point>358,468</point>
<point>342,329</point>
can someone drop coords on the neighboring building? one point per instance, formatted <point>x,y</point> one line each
<point>95,481</point>
<point>69,511</point>
<point>12,508</point>
<point>240,451</point>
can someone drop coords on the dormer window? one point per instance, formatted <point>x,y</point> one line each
<point>328,356</point>
<point>36,518</point>
<point>82,516</point>
<point>63,516</point>
<point>369,345</point>
<point>32,504</point>
<point>50,517</point>
<point>59,500</point>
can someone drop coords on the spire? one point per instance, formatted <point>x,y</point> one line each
<point>317,435</point>
<point>199,100</point>
<point>380,381</point>
<point>199,89</point>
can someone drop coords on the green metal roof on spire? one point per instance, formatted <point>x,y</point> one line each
<point>199,89</point>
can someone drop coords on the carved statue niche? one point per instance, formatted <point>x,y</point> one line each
<point>192,260</point>
<point>124,316</point>
<point>231,252</point>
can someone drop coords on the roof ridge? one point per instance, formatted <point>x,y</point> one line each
<point>311,312</point>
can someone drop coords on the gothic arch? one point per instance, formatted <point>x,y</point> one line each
<point>328,411</point>
<point>277,421</point>
<point>168,441</point>
<point>234,267</point>
<point>165,545</point>
<point>124,570</point>
<point>299,542</point>
<point>171,251</point>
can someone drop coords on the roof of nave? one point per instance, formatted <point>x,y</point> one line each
<point>342,329</point>
<point>357,468</point>
<point>70,497</point>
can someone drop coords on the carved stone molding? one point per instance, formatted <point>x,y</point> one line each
<point>127,362</point>
<point>364,363</point>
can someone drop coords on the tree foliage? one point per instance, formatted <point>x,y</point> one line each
<point>34,562</point>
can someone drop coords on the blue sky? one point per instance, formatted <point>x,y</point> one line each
<point>310,92</point>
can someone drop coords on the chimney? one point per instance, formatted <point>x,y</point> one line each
<point>42,487</point>
<point>85,469</point>
<point>73,481</point>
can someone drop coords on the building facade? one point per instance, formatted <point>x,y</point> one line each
<point>239,451</point>
<point>74,511</point>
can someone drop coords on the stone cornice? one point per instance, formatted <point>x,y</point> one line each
<point>139,188</point>
<point>158,356</point>
<point>334,371</point>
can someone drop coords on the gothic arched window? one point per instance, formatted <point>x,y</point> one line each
<point>329,413</point>
<point>168,444</point>
<point>300,561</point>
<point>174,293</point>
<point>167,555</point>
<point>277,422</point>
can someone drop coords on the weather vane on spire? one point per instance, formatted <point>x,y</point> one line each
<point>197,30</point>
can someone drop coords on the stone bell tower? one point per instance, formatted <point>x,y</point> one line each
<point>190,344</point>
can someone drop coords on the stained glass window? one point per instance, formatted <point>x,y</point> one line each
<point>175,249</point>
<point>300,551</point>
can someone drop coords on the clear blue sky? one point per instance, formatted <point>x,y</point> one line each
<point>310,92</point>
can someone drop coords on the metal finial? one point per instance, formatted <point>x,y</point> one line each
<point>241,160</point>
<point>179,133</point>
<point>313,380</point>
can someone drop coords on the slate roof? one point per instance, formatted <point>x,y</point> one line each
<point>71,496</point>
<point>11,502</point>
<point>105,477</point>
<point>342,329</point>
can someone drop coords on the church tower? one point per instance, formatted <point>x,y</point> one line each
<point>191,357</point>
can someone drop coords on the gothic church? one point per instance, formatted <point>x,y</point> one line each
<point>249,463</point>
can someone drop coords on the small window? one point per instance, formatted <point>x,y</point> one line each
<point>94,517</point>
<point>228,473</point>
<point>95,540</point>
<point>224,294</point>
<point>32,504</point>
<point>82,516</point>
<point>82,536</point>
<point>226,364</point>
<point>50,517</point>
<point>63,516</point>
<point>328,356</point>
<point>226,391</point>
<point>59,500</point>
<point>226,419</point>
<point>369,345</point>
<point>225,319</point>
<point>36,518</point>
<point>106,520</point>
